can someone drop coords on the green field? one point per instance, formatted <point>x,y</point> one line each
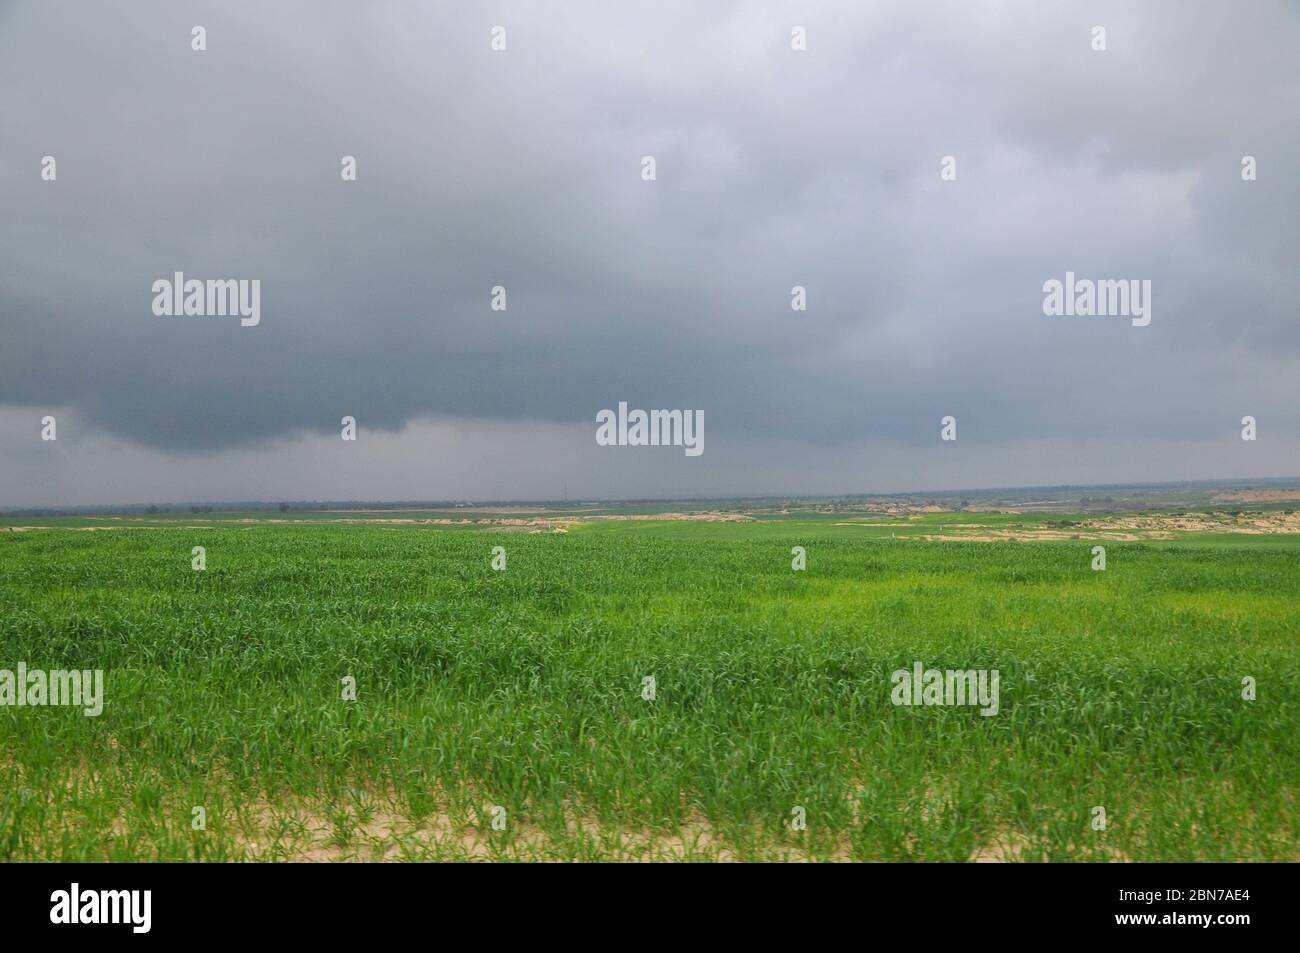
<point>523,689</point>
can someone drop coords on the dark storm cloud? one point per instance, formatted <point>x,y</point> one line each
<point>775,168</point>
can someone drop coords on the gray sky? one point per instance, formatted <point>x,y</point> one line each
<point>522,168</point>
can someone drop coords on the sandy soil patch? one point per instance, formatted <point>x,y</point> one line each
<point>378,834</point>
<point>1005,846</point>
<point>1273,521</point>
<point>1114,528</point>
<point>1029,535</point>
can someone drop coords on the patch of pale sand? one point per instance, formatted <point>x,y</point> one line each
<point>1015,536</point>
<point>303,835</point>
<point>1007,846</point>
<point>712,516</point>
<point>1249,523</point>
<point>1004,846</point>
<point>1118,528</point>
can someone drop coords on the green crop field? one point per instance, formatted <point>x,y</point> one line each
<point>507,713</point>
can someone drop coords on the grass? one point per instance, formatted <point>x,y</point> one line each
<point>523,689</point>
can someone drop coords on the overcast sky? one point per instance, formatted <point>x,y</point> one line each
<point>522,168</point>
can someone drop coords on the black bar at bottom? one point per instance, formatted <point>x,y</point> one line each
<point>333,903</point>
